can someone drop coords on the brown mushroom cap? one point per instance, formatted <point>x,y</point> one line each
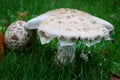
<point>70,25</point>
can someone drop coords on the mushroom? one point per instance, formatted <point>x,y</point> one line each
<point>69,26</point>
<point>16,35</point>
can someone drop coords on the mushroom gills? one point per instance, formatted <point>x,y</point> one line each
<point>45,37</point>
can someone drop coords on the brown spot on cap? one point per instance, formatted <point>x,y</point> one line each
<point>73,15</point>
<point>93,22</point>
<point>78,29</point>
<point>59,21</point>
<point>97,38</point>
<point>51,19</point>
<point>61,12</point>
<point>20,23</point>
<point>68,29</point>
<point>14,37</point>
<point>68,17</point>
<point>86,29</point>
<point>73,11</point>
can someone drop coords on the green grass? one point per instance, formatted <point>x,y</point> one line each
<point>37,61</point>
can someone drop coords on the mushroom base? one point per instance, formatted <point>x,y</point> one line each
<point>65,54</point>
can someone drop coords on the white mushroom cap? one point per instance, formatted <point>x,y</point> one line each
<point>16,35</point>
<point>69,25</point>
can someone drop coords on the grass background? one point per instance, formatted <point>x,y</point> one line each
<point>37,61</point>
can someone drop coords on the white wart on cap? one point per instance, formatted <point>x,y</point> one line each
<point>69,25</point>
<point>16,35</point>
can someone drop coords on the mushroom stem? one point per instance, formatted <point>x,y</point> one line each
<point>65,54</point>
